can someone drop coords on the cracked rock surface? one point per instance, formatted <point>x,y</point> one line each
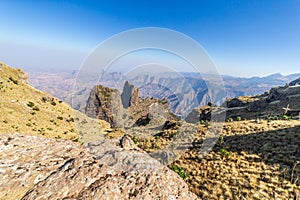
<point>33,167</point>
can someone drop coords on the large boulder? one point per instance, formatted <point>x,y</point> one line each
<point>33,167</point>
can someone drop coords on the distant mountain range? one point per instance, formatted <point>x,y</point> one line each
<point>184,91</point>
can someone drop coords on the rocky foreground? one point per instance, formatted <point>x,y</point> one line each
<point>33,167</point>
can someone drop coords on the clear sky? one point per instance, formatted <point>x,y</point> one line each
<point>243,37</point>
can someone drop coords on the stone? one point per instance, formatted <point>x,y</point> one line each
<point>130,95</point>
<point>104,103</point>
<point>98,170</point>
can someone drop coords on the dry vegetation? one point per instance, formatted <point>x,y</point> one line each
<point>27,110</point>
<point>251,160</point>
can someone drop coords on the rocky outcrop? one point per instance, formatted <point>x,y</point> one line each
<point>104,103</point>
<point>295,82</point>
<point>128,109</point>
<point>130,95</point>
<point>273,102</point>
<point>39,168</point>
<point>198,114</point>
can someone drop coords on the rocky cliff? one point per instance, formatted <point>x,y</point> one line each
<point>128,109</point>
<point>104,103</point>
<point>130,95</point>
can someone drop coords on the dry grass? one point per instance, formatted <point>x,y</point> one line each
<point>27,110</point>
<point>259,165</point>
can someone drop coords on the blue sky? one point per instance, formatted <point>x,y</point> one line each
<point>243,37</point>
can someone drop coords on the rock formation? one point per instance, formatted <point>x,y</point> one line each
<point>260,106</point>
<point>128,109</point>
<point>105,104</point>
<point>29,169</point>
<point>295,82</point>
<point>130,95</point>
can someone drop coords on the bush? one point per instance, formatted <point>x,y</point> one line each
<point>35,108</point>
<point>225,152</point>
<point>238,118</point>
<point>70,120</point>
<point>181,172</point>
<point>285,117</point>
<point>30,104</point>
<point>135,140</point>
<point>60,118</point>
<point>229,120</point>
<point>13,80</point>
<point>221,139</point>
<point>273,117</point>
<point>44,99</point>
<point>29,124</point>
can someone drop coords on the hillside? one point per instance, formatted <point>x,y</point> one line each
<point>27,110</point>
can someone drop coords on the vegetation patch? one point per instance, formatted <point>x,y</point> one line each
<point>180,171</point>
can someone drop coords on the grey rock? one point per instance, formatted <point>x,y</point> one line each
<point>33,167</point>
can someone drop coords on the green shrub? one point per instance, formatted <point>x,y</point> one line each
<point>53,103</point>
<point>225,152</point>
<point>238,118</point>
<point>272,117</point>
<point>180,171</point>
<point>229,120</point>
<point>135,140</point>
<point>285,117</point>
<point>221,139</point>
